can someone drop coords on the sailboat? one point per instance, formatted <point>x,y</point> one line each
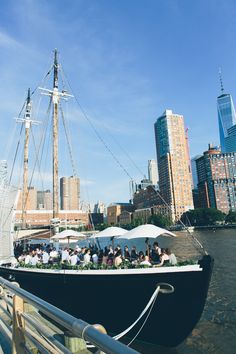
<point>157,305</point>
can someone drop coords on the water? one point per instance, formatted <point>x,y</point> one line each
<point>216,331</point>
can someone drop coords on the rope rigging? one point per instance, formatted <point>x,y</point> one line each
<point>196,241</point>
<point>96,131</point>
<point>39,158</point>
<point>68,141</point>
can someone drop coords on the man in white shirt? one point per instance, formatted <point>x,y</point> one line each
<point>28,259</point>
<point>34,260</point>
<point>53,254</point>
<point>45,257</point>
<point>65,255</point>
<point>95,258</point>
<point>87,257</point>
<point>74,258</point>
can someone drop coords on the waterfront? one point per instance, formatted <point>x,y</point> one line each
<point>215,332</point>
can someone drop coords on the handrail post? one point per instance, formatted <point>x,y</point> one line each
<point>18,339</point>
<point>101,329</point>
<point>74,344</point>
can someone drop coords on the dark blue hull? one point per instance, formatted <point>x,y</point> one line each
<point>116,300</point>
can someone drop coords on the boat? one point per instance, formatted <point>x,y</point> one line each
<point>159,305</point>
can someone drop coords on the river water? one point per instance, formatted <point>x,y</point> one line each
<point>216,331</point>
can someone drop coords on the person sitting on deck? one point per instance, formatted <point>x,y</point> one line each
<point>35,260</point>
<point>65,255</point>
<point>95,257</point>
<point>140,256</point>
<point>118,251</point>
<point>74,258</point>
<point>126,253</point>
<point>53,255</point>
<point>110,255</point>
<point>145,261</point>
<point>82,254</point>
<point>172,257</point>
<point>28,258</point>
<point>45,257</point>
<point>134,254</point>
<point>164,258</point>
<point>118,259</point>
<point>155,253</point>
<point>100,256</point>
<point>105,256</point>
<point>87,257</point>
<point>21,257</point>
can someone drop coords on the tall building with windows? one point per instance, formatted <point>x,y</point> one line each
<point>44,200</point>
<point>175,179</point>
<point>70,193</point>
<point>152,172</point>
<point>194,170</point>
<point>217,179</point>
<point>230,140</point>
<point>226,118</point>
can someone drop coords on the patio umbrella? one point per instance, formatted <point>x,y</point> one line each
<point>69,235</point>
<point>146,231</point>
<point>112,232</point>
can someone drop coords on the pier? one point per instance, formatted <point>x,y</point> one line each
<point>29,324</point>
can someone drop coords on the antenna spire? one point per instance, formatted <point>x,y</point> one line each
<point>221,81</point>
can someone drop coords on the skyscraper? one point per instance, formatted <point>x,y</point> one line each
<point>194,170</point>
<point>226,116</point>
<point>44,200</point>
<point>152,171</point>
<point>217,180</point>
<point>70,193</point>
<point>175,178</point>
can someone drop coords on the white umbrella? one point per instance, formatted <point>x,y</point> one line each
<point>69,235</point>
<point>146,231</point>
<point>111,231</point>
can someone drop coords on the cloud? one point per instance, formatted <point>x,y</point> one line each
<point>7,41</point>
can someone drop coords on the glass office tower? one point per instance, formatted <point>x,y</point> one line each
<point>226,117</point>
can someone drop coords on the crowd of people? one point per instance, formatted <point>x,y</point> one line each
<point>154,256</point>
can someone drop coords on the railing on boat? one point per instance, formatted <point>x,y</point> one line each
<point>30,325</point>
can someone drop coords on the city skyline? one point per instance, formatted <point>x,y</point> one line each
<point>120,78</point>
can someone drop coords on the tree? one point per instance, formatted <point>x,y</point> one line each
<point>203,216</point>
<point>231,217</point>
<point>160,220</point>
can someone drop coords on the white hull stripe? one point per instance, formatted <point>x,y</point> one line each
<point>157,270</point>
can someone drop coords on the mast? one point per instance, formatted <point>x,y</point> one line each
<point>55,95</point>
<point>27,121</point>
<point>26,158</point>
<point>55,100</point>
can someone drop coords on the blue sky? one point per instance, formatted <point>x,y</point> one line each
<point>127,61</point>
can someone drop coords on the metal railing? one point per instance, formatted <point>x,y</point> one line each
<point>25,328</point>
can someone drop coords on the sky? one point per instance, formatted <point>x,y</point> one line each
<point>127,61</point>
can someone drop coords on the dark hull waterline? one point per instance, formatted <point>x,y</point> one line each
<point>116,298</point>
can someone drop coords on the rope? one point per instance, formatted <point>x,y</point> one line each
<point>149,307</point>
<point>196,241</point>
<point>68,141</point>
<point>96,132</point>
<point>151,302</point>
